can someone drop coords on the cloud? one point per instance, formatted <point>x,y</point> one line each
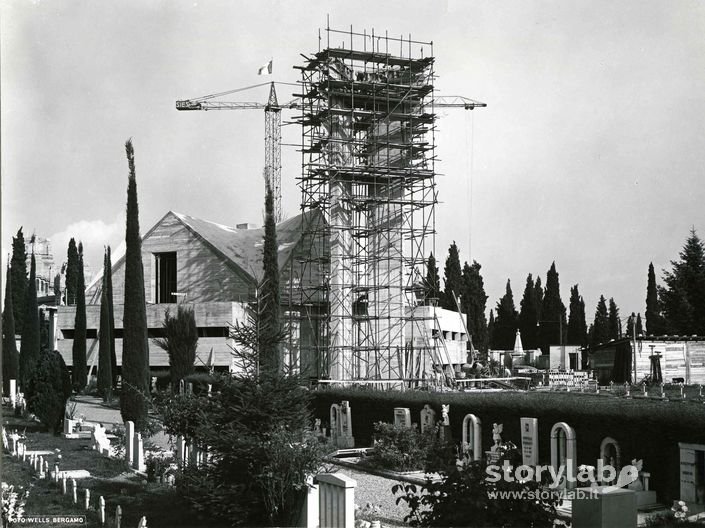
<point>95,235</point>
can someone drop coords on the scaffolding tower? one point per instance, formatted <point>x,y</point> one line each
<point>368,184</point>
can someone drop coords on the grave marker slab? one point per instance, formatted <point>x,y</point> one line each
<point>402,417</point>
<point>529,441</point>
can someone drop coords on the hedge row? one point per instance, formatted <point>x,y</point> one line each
<point>645,429</point>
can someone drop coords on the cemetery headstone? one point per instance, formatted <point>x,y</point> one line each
<point>563,452</point>
<point>13,393</point>
<point>444,430</point>
<point>402,417</point>
<point>529,441</point>
<point>129,441</point>
<point>428,418</point>
<point>138,454</point>
<point>472,436</point>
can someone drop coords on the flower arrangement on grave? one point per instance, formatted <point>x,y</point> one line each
<point>680,510</point>
<point>13,502</point>
<point>158,464</point>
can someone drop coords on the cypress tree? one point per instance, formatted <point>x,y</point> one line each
<point>79,371</point>
<point>105,376</point>
<point>135,351</point>
<point>528,318</point>
<point>577,326</point>
<point>18,270</point>
<point>10,357</point>
<point>655,324</point>
<point>506,322</point>
<point>683,296</point>
<point>474,303</point>
<point>57,289</point>
<point>452,278</point>
<point>490,331</point>
<point>108,278</point>
<point>270,331</point>
<point>614,324</point>
<point>30,344</point>
<point>72,265</point>
<point>552,311</point>
<point>432,284</point>
<point>639,327</point>
<point>600,326</point>
<point>538,295</point>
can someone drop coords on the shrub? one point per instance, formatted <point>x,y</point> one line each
<point>49,389</point>
<point>464,497</point>
<point>406,449</point>
<point>260,450</point>
<point>179,342</point>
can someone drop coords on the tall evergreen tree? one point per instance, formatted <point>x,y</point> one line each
<point>600,326</point>
<point>506,322</point>
<point>577,326</point>
<point>683,295</point>
<point>105,375</point>
<point>72,265</point>
<point>57,289</point>
<point>655,324</point>
<point>270,330</point>
<point>538,295</point>
<point>79,371</point>
<point>552,312</point>
<point>490,332</point>
<point>135,355</point>
<point>639,327</point>
<point>528,318</point>
<point>614,324</point>
<point>30,344</point>
<point>432,283</point>
<point>108,285</point>
<point>452,278</point>
<point>18,270</point>
<point>474,304</point>
<point>10,357</point>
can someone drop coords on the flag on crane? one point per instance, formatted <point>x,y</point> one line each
<point>266,69</point>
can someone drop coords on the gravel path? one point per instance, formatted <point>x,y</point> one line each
<point>377,491</point>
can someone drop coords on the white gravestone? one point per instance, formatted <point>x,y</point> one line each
<point>341,425</point>
<point>472,436</point>
<point>563,452</point>
<point>402,417</point>
<point>100,441</point>
<point>138,454</point>
<point>13,392</point>
<point>428,418</point>
<point>129,441</point>
<point>530,441</point>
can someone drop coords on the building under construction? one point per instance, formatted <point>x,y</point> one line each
<point>368,149</point>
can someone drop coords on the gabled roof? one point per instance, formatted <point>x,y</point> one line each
<point>243,247</point>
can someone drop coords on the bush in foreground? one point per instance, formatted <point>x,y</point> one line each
<point>49,388</point>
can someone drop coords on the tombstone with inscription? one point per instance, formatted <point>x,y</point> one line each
<point>428,418</point>
<point>529,441</point>
<point>341,425</point>
<point>402,417</point>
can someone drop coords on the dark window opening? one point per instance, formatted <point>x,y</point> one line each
<point>166,277</point>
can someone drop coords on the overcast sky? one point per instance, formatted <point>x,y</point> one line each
<point>591,151</point>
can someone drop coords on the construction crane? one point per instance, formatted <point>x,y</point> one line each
<point>272,131</point>
<point>273,122</point>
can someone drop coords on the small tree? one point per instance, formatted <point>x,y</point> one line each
<point>655,324</point>
<point>613,321</point>
<point>105,375</point>
<point>30,344</point>
<point>600,327</point>
<point>506,321</point>
<point>528,318</point>
<point>10,357</point>
<point>79,371</point>
<point>180,342</point>
<point>577,327</point>
<point>72,265</point>
<point>49,388</point>
<point>432,283</point>
<point>452,278</point>
<point>108,278</point>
